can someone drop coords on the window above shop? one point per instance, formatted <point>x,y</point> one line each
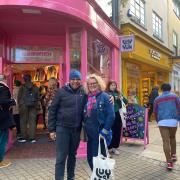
<point>176,7</point>
<point>137,11</point>
<point>157,26</point>
<point>175,44</point>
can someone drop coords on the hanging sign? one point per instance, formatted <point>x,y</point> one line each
<point>127,43</point>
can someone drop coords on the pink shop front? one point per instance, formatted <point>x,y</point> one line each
<point>56,36</point>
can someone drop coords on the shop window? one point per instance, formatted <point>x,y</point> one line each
<point>133,83</point>
<point>99,58</point>
<point>75,48</point>
<point>157,26</point>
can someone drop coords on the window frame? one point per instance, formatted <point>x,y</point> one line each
<point>157,26</point>
<point>175,46</point>
<point>140,18</point>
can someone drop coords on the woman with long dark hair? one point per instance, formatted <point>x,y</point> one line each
<point>117,126</point>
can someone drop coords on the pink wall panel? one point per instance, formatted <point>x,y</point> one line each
<point>80,9</point>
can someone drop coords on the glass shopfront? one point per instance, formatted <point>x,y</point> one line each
<point>99,57</point>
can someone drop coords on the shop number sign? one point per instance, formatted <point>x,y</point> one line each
<point>126,43</point>
<point>135,122</point>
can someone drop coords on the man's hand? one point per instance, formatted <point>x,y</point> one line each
<point>111,99</point>
<point>53,136</point>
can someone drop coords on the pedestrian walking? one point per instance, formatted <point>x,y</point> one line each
<point>117,125</point>
<point>98,116</point>
<point>152,97</point>
<point>167,113</point>
<point>6,119</point>
<point>28,98</point>
<point>16,115</point>
<point>64,124</point>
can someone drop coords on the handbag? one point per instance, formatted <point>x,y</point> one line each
<point>103,166</point>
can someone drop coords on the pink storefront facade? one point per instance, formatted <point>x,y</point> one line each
<point>70,34</point>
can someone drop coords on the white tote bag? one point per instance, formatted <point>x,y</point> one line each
<point>122,113</point>
<point>103,166</point>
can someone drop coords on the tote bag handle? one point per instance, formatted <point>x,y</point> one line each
<point>106,148</point>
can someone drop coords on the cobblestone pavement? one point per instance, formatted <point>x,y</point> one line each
<point>128,167</point>
<point>36,161</point>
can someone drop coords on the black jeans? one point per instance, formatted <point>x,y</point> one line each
<point>150,111</point>
<point>67,142</point>
<point>116,131</point>
<point>17,121</point>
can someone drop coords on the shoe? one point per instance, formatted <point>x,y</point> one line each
<point>174,157</point>
<point>21,140</point>
<point>110,151</point>
<point>33,141</point>
<point>115,151</point>
<point>4,164</point>
<point>169,165</point>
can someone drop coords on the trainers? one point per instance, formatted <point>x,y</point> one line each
<point>21,140</point>
<point>174,157</point>
<point>33,141</point>
<point>115,151</point>
<point>169,165</point>
<point>4,164</point>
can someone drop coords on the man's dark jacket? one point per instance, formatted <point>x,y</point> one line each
<point>153,95</point>
<point>66,109</point>
<point>6,118</point>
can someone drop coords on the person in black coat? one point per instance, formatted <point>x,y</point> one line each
<point>154,93</point>
<point>6,119</point>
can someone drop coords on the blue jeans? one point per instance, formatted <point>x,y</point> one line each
<point>67,142</point>
<point>92,150</point>
<point>3,142</point>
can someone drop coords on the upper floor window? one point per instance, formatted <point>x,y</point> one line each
<point>157,25</point>
<point>175,44</point>
<point>137,9</point>
<point>176,7</point>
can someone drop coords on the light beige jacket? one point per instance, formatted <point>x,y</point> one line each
<point>15,95</point>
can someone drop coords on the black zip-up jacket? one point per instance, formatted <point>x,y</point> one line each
<point>66,109</point>
<point>6,119</point>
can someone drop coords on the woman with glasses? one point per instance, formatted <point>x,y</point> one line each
<point>98,116</point>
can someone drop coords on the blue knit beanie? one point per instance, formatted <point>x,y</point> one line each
<point>74,74</point>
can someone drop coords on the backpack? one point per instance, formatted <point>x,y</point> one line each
<point>30,99</point>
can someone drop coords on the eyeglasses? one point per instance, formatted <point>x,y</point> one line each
<point>92,84</point>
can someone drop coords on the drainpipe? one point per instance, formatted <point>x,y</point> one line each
<point>115,12</point>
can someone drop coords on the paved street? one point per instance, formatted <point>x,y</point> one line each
<point>36,161</point>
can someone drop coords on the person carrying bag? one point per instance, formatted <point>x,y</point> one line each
<point>103,166</point>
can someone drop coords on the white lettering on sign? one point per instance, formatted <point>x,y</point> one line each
<point>155,54</point>
<point>38,54</point>
<point>126,43</point>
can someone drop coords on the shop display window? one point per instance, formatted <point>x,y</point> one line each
<point>75,48</point>
<point>133,83</point>
<point>99,58</point>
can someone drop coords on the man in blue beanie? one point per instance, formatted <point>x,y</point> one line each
<point>64,124</point>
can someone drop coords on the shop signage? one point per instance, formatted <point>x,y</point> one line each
<point>154,54</point>
<point>127,43</point>
<point>135,122</point>
<point>36,54</point>
<point>100,47</point>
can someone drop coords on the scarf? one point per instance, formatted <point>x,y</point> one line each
<point>91,102</point>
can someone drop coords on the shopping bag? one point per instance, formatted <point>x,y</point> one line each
<point>123,118</point>
<point>124,110</point>
<point>103,166</point>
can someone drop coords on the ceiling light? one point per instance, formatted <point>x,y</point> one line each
<point>31,11</point>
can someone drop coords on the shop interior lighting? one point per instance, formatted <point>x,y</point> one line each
<point>31,11</point>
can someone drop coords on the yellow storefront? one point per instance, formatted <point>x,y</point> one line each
<point>146,66</point>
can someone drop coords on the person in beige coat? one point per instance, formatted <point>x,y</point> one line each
<point>16,115</point>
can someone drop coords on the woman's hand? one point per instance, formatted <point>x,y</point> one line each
<point>53,136</point>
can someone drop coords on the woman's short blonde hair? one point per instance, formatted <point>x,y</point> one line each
<point>99,80</point>
<point>52,83</point>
